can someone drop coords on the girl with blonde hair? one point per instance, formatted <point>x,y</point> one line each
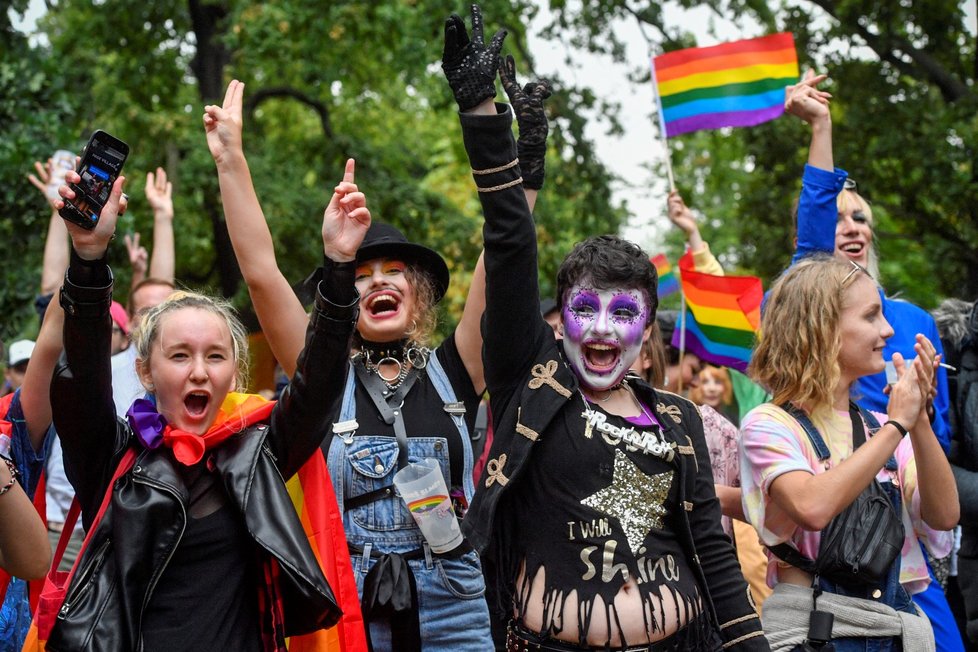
<point>823,328</point>
<point>195,544</point>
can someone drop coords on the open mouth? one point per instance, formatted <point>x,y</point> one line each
<point>601,357</point>
<point>196,403</point>
<point>383,304</point>
<point>853,249</point>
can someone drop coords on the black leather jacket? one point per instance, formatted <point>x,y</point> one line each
<point>145,520</point>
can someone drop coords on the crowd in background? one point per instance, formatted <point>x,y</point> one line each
<point>607,489</point>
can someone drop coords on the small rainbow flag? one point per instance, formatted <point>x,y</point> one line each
<point>668,283</point>
<point>737,84</point>
<point>722,315</point>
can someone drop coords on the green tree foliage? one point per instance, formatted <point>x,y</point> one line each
<point>325,81</point>
<point>905,116</point>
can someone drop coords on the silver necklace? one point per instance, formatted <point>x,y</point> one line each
<point>414,356</point>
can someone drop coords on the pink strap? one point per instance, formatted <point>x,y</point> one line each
<point>124,465</point>
<point>69,527</point>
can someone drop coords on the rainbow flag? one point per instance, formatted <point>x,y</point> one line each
<point>737,84</point>
<point>668,283</point>
<point>311,490</point>
<point>722,315</point>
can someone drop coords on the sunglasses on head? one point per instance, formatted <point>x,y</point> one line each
<point>849,184</point>
<point>856,267</point>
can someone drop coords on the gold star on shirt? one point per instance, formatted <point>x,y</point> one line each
<point>636,499</point>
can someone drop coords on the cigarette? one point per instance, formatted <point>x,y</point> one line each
<point>947,366</point>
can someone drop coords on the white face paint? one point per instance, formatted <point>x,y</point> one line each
<point>603,332</point>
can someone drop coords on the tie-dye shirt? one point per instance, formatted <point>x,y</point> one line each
<point>773,443</point>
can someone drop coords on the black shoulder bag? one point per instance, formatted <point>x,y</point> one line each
<point>860,543</point>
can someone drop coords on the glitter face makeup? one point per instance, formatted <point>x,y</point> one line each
<point>603,332</point>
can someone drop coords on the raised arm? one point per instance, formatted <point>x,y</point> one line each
<point>138,258</point>
<point>279,311</point>
<point>680,215</point>
<point>528,104</point>
<point>35,396</point>
<point>81,391</point>
<point>55,260</point>
<point>299,421</point>
<point>512,294</point>
<point>159,194</point>
<point>821,182</point>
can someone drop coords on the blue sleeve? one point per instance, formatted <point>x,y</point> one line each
<point>817,212</point>
<point>940,423</point>
<point>30,463</point>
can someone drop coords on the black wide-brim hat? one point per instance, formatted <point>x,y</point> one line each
<point>386,241</point>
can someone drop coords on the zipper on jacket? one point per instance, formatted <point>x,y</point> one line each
<point>156,576</point>
<point>84,580</point>
<point>268,451</point>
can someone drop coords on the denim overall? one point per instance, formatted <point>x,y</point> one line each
<point>452,611</point>
<point>889,591</point>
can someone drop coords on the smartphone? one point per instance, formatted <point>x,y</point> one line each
<point>101,162</point>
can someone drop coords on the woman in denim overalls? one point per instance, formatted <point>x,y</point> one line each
<point>823,329</point>
<point>396,385</point>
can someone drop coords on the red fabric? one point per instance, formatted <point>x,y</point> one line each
<point>52,595</point>
<point>6,428</point>
<point>189,448</point>
<point>40,504</point>
<point>320,515</point>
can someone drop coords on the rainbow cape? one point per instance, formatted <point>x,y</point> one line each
<point>311,490</point>
<point>722,315</point>
<point>737,84</point>
<point>668,284</point>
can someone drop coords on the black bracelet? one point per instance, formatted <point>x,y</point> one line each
<point>13,474</point>
<point>898,426</point>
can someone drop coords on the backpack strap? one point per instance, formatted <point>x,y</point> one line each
<point>821,449</point>
<point>784,551</point>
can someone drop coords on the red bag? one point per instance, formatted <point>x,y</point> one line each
<point>56,583</point>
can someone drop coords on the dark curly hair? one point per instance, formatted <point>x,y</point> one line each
<point>608,261</point>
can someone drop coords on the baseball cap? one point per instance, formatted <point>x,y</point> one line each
<point>20,352</point>
<point>119,316</point>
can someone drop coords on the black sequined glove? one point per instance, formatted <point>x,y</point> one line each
<point>531,116</point>
<point>470,66</point>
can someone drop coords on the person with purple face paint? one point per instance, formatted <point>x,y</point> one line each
<point>596,515</point>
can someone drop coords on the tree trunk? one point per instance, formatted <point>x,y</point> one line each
<point>208,66</point>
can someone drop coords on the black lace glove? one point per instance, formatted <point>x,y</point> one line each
<point>470,66</point>
<point>532,118</point>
